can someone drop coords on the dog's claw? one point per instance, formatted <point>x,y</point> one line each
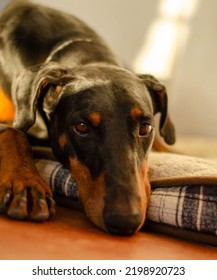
<point>42,204</point>
<point>6,198</point>
<point>22,202</point>
<point>17,209</point>
<point>40,211</point>
<point>51,205</point>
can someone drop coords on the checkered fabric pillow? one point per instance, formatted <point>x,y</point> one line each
<point>189,207</point>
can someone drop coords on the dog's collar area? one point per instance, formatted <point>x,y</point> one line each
<point>65,45</point>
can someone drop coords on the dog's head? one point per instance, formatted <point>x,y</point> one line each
<point>101,122</point>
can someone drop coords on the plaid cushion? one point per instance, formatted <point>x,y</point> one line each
<point>190,207</point>
<point>58,178</point>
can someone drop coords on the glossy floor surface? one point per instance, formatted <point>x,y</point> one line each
<point>69,235</point>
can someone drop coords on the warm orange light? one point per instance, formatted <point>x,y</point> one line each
<point>6,108</point>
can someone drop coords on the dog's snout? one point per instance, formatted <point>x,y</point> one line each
<point>122,224</point>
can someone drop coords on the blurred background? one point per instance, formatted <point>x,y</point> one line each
<point>174,40</point>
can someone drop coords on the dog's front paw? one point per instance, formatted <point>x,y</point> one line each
<point>25,196</point>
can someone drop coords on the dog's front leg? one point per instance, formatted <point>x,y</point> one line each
<point>23,193</point>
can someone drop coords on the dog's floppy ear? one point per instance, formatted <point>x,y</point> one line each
<point>43,82</point>
<point>159,98</point>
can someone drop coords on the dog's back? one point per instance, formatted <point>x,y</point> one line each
<point>36,31</point>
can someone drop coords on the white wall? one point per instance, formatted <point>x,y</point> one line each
<point>122,23</point>
<point>194,92</point>
<point>3,3</point>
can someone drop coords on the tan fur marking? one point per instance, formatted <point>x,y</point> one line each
<point>136,112</point>
<point>144,189</point>
<point>95,118</point>
<point>91,192</point>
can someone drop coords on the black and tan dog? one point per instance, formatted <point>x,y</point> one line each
<point>99,117</point>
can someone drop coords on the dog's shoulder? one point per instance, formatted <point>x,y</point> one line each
<point>29,27</point>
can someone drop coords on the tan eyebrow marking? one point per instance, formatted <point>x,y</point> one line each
<point>95,118</point>
<point>136,112</point>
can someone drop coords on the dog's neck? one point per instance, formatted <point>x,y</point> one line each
<point>64,45</point>
<point>73,52</point>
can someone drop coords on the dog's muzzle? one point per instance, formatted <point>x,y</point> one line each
<point>122,224</point>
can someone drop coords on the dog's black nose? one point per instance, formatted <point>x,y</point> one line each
<point>122,224</point>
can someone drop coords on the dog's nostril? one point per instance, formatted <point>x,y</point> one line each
<point>122,224</point>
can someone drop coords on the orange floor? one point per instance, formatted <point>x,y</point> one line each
<point>69,235</point>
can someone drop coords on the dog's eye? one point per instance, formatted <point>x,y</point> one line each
<point>81,128</point>
<point>145,129</point>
